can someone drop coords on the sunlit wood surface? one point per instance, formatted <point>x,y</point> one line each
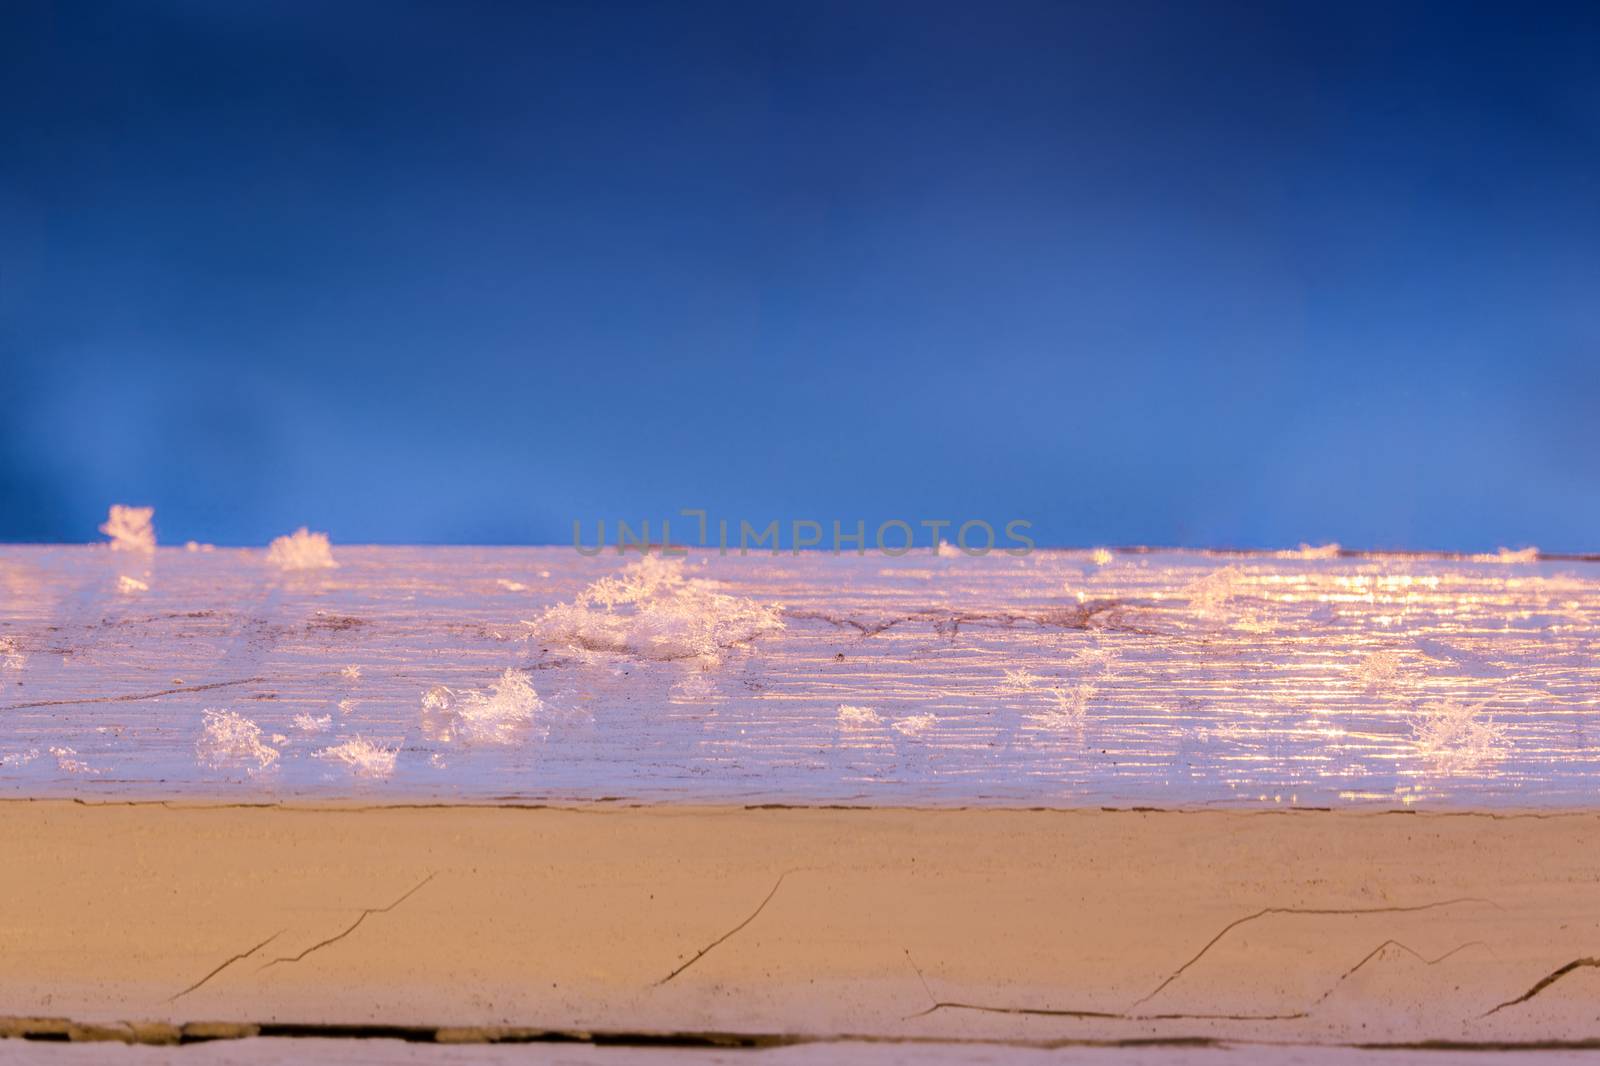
<point>1060,678</point>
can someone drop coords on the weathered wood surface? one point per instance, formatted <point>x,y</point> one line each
<point>1055,679</point>
<point>1006,926</point>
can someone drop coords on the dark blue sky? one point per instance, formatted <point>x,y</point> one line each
<point>1197,273</point>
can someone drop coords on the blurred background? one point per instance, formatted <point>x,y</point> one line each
<point>1214,273</point>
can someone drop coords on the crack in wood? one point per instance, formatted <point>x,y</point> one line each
<point>226,963</point>
<point>353,925</point>
<point>136,697</point>
<point>1375,952</point>
<point>1061,1012</point>
<point>1545,982</point>
<point>707,949</point>
<point>1267,912</point>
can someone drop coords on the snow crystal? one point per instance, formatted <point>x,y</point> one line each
<point>913,725</point>
<point>365,758</point>
<point>301,550</point>
<point>695,687</point>
<point>493,717</point>
<point>1020,680</point>
<point>68,762</point>
<point>129,528</point>
<point>851,717</point>
<point>1453,736</point>
<point>650,610</point>
<point>1208,595</point>
<point>1378,668</point>
<point>1067,707</point>
<point>231,739</point>
<point>1507,555</point>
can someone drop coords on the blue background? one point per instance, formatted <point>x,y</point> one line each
<point>1189,273</point>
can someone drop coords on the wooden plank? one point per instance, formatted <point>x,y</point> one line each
<point>1152,679</point>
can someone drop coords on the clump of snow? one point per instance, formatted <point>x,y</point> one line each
<point>1319,551</point>
<point>1101,557</point>
<point>1455,736</point>
<point>495,716</point>
<point>651,611</point>
<point>18,758</point>
<point>130,585</point>
<point>1507,555</point>
<point>230,739</point>
<point>10,657</point>
<point>913,725</point>
<point>68,762</point>
<point>509,585</point>
<point>301,550</point>
<point>946,550</point>
<point>438,698</point>
<point>365,758</point>
<point>851,717</point>
<point>130,528</point>
<point>307,723</point>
